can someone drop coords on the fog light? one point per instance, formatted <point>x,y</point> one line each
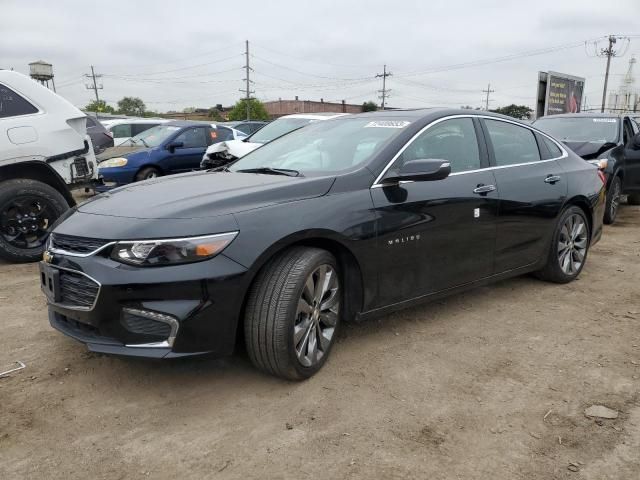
<point>146,322</point>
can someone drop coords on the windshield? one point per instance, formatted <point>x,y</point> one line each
<point>585,129</point>
<point>154,136</point>
<point>277,128</point>
<point>327,146</point>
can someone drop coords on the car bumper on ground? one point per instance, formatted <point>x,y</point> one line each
<point>158,312</point>
<point>117,175</point>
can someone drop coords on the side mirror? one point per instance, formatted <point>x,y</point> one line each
<point>421,170</point>
<point>173,145</point>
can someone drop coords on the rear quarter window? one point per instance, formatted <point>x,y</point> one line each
<point>13,105</point>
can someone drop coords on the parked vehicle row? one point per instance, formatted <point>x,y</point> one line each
<point>343,219</point>
<point>165,149</point>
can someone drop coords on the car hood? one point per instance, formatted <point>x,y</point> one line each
<point>589,150</point>
<point>237,148</point>
<point>204,195</point>
<point>119,151</point>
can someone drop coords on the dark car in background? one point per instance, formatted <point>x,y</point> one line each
<point>165,149</point>
<point>101,138</point>
<point>346,218</point>
<point>608,140</point>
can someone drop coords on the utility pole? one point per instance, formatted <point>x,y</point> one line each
<point>384,91</point>
<point>247,91</point>
<point>608,52</point>
<point>94,85</point>
<point>488,91</point>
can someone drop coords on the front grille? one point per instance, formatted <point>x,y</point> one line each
<point>73,244</point>
<point>76,290</point>
<point>145,326</point>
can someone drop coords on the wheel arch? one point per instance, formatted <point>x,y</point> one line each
<point>147,165</point>
<point>40,172</point>
<point>582,202</point>
<point>350,269</point>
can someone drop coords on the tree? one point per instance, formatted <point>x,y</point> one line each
<point>131,106</point>
<point>215,115</point>
<point>369,107</point>
<point>256,108</point>
<point>521,112</point>
<point>99,106</point>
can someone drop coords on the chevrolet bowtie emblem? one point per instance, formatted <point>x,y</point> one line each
<point>47,256</point>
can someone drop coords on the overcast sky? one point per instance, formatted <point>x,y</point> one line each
<point>190,53</point>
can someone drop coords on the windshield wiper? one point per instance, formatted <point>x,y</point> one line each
<point>222,168</point>
<point>145,143</point>
<point>272,171</point>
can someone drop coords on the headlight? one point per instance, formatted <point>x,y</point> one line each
<point>601,164</point>
<point>149,253</point>
<point>113,162</point>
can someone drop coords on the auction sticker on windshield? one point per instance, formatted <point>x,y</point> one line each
<point>605,120</point>
<point>387,124</point>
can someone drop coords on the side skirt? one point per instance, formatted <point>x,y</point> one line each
<point>363,316</point>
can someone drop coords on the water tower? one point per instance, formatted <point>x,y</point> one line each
<point>42,72</point>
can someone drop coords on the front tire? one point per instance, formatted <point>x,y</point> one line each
<point>147,173</point>
<point>569,247</point>
<point>293,313</point>
<point>613,200</point>
<point>28,210</point>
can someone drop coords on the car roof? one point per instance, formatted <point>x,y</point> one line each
<point>315,116</point>
<point>584,115</point>
<point>121,121</point>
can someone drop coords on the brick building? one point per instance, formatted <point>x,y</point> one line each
<point>278,108</point>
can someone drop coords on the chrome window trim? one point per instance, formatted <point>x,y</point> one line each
<point>77,308</point>
<point>158,317</point>
<point>377,184</point>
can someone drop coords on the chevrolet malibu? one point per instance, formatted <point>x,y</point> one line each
<point>343,220</point>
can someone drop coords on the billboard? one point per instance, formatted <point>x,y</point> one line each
<point>558,93</point>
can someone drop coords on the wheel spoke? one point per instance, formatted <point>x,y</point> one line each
<point>320,283</point>
<point>330,319</point>
<point>300,329</point>
<point>304,307</point>
<point>309,289</point>
<point>331,301</point>
<point>324,337</point>
<point>579,255</point>
<point>312,348</point>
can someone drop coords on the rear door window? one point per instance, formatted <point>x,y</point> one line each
<point>13,105</point>
<point>512,144</point>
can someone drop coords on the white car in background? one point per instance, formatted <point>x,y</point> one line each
<point>44,152</point>
<point>125,128</point>
<point>222,153</point>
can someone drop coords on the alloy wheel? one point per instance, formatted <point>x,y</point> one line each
<point>25,221</point>
<point>615,199</point>
<point>317,315</point>
<point>572,244</point>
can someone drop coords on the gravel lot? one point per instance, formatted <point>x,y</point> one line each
<point>491,384</point>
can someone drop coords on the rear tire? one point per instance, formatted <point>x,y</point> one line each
<point>613,200</point>
<point>147,173</point>
<point>569,247</point>
<point>28,210</point>
<point>293,313</point>
<point>633,199</point>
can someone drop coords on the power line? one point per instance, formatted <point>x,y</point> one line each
<point>609,52</point>
<point>384,91</point>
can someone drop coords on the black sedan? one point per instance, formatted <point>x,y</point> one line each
<point>345,219</point>
<point>608,140</point>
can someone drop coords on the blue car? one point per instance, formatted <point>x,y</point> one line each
<point>173,147</point>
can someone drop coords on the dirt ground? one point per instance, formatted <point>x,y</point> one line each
<point>490,384</point>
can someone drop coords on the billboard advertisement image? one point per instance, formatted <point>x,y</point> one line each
<point>559,93</point>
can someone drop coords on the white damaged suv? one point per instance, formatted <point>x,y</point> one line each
<point>44,152</point>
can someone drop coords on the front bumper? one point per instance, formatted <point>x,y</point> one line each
<point>117,175</point>
<point>159,312</point>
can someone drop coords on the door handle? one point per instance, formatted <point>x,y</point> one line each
<point>484,189</point>
<point>552,179</point>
